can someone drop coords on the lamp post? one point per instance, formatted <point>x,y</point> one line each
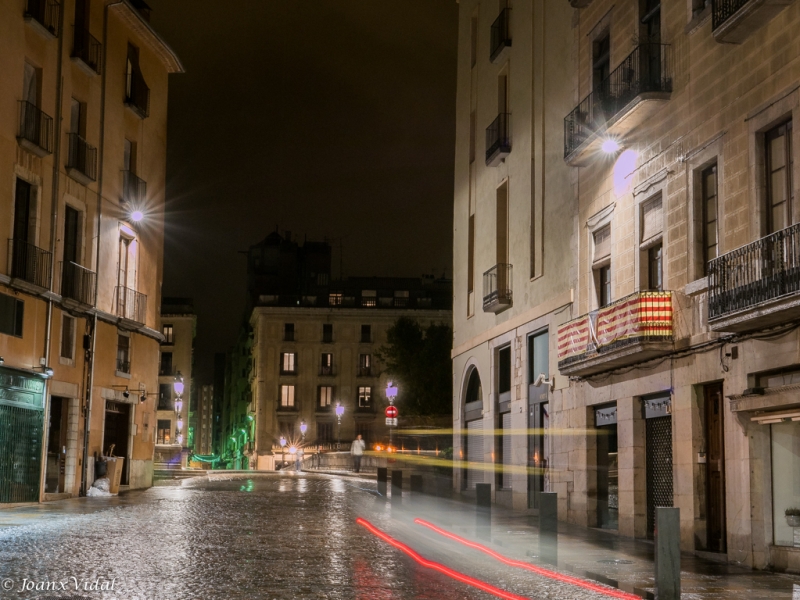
<point>391,396</point>
<point>177,386</point>
<point>283,450</point>
<point>339,413</point>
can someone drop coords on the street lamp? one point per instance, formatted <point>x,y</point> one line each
<point>339,413</point>
<point>283,450</point>
<point>391,396</point>
<point>177,386</point>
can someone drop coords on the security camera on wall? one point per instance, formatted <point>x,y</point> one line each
<point>541,379</point>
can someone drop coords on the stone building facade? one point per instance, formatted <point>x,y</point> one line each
<point>204,421</point>
<point>677,358</point>
<point>83,139</point>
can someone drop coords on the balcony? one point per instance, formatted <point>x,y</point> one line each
<point>44,16</point>
<point>30,266</point>
<point>87,50</point>
<point>364,372</point>
<point>501,36</point>
<point>134,189</point>
<point>629,96</point>
<point>757,285</point>
<point>137,96</point>
<point>498,140</point>
<point>287,409</point>
<point>35,130</point>
<point>326,371</point>
<point>635,328</point>
<point>733,21</point>
<point>77,284</point>
<point>131,305</point>
<point>81,160</point>
<point>365,409</point>
<point>123,366</point>
<point>497,295</point>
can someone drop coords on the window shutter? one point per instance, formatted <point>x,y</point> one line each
<point>602,243</point>
<point>652,219</point>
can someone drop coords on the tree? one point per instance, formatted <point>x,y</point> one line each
<point>418,361</point>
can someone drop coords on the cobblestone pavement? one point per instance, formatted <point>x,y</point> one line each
<point>277,536</point>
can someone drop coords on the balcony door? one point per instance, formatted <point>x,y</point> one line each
<point>72,244</point>
<point>780,194</point>
<point>715,462</point>
<point>22,254</point>
<point>126,276</point>
<point>651,46</point>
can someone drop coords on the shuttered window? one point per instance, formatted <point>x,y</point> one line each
<point>602,243</point>
<point>652,219</point>
<point>474,452</point>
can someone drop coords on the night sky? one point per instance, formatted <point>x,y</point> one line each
<point>326,118</point>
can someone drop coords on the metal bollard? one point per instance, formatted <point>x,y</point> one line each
<point>416,485</point>
<point>397,487</point>
<point>382,479</point>
<point>668,553</point>
<point>548,528</point>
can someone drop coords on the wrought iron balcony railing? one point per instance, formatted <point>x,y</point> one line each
<point>501,37</point>
<point>364,372</point>
<point>87,48</point>
<point>758,272</point>
<point>498,139</point>
<point>82,157</point>
<point>131,305</point>
<point>646,69</point>
<point>137,94</point>
<point>326,371</point>
<point>44,12</point>
<point>29,263</point>
<point>134,189</point>
<point>722,10</point>
<point>123,366</point>
<point>78,283</point>
<point>497,295</point>
<point>639,317</point>
<point>35,127</point>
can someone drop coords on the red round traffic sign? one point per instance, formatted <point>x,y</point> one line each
<point>391,412</point>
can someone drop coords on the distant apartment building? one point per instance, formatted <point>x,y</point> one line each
<point>83,121</point>
<point>677,356</point>
<point>204,421</point>
<point>173,425</point>
<point>313,347</point>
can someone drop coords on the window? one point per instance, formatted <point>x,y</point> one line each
<point>364,396</point>
<point>602,243</point>
<point>604,288</point>
<point>502,227</point>
<point>785,478</point>
<point>335,299</point>
<point>324,432</point>
<point>288,332</point>
<point>166,331</point>
<point>166,364</point>
<point>326,364</point>
<point>366,334</point>
<point>601,61</point>
<point>288,363</point>
<point>369,298</point>
<point>129,156</point>
<point>163,433</point>
<point>654,271</point>
<point>779,177</point>
<point>504,374</point>
<point>30,84</point>
<point>708,184</point>
<point>11,315</point>
<point>473,125</point>
<point>325,393</point>
<point>67,337</point>
<point>287,396</point>
<point>473,40</point>
<point>365,431</point>
<point>651,21</point>
<point>327,333</point>
<point>165,397</point>
<point>123,353</point>
<point>538,356</point>
<point>364,365</point>
<point>471,255</point>
<point>401,298</point>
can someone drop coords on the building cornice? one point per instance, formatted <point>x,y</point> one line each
<point>134,20</point>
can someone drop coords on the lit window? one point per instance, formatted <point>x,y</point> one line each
<point>335,299</point>
<point>166,330</point>
<point>288,362</point>
<point>364,396</point>
<point>287,396</point>
<point>325,395</point>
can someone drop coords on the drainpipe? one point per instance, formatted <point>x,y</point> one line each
<point>53,224</point>
<point>91,352</point>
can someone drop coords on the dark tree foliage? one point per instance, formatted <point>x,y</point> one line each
<point>418,361</point>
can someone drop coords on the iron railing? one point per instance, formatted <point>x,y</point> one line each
<point>137,94</point>
<point>35,126</point>
<point>722,10</point>
<point>326,371</point>
<point>46,12</point>
<point>364,372</point>
<point>501,37</point>
<point>758,272</point>
<point>123,366</point>
<point>497,286</point>
<point>647,69</point>
<point>498,136</point>
<point>134,189</point>
<point>30,263</point>
<point>636,318</point>
<point>78,283</point>
<point>87,48</point>
<point>131,305</point>
<point>82,156</point>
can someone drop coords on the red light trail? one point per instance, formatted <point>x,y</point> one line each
<point>600,589</point>
<point>477,583</point>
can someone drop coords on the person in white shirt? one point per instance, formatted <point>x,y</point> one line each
<point>357,450</point>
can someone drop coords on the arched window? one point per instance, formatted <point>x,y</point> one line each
<point>474,390</point>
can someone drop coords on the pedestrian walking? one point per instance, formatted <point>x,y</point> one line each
<point>357,451</point>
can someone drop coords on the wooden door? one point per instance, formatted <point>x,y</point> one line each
<point>715,481</point>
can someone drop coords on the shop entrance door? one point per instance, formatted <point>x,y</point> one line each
<point>607,469</point>
<point>715,462</point>
<point>117,432</point>
<point>538,451</point>
<point>57,446</point>
<point>658,442</point>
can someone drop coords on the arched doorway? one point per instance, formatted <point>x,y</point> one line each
<point>473,430</point>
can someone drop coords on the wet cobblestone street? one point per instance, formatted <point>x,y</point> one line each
<point>270,536</point>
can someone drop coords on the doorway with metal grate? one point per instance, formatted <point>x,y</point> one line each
<point>658,441</point>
